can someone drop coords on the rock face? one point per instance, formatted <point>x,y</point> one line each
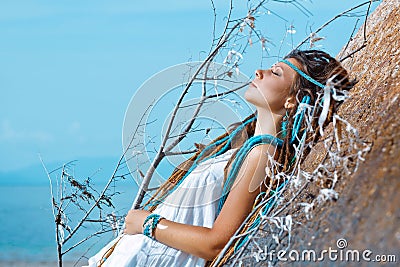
<point>365,217</point>
<point>367,212</point>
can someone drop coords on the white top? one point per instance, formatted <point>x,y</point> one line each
<point>194,202</point>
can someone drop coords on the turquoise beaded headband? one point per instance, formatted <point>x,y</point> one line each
<point>302,73</point>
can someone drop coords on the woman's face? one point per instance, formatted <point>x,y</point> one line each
<point>270,88</point>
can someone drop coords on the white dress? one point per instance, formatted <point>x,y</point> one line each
<point>194,202</point>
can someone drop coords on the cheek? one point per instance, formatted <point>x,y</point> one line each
<point>276,96</point>
<point>281,91</point>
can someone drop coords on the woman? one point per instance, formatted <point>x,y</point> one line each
<point>190,234</point>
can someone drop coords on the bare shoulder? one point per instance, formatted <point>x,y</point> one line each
<point>252,172</point>
<point>260,153</point>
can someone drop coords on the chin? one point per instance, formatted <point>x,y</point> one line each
<point>251,96</point>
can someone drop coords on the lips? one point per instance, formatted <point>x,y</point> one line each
<point>253,84</point>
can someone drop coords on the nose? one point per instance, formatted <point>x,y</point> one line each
<point>259,74</point>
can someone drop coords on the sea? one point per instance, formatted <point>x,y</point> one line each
<point>27,227</point>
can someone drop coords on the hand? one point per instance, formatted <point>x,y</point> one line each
<point>134,221</point>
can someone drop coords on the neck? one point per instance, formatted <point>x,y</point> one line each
<point>267,123</point>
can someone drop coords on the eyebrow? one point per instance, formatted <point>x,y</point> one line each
<point>276,65</point>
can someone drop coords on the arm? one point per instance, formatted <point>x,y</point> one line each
<point>208,242</point>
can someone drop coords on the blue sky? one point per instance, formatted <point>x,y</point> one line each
<point>68,69</point>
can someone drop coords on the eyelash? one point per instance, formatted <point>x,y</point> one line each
<point>275,73</point>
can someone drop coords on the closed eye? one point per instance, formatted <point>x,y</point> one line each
<point>275,73</point>
<point>276,70</point>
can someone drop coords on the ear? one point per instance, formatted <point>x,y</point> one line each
<point>289,103</point>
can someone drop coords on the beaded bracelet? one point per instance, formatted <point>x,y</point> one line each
<point>150,224</point>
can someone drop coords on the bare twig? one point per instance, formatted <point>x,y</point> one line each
<point>163,149</point>
<point>96,203</point>
<point>351,36</point>
<point>364,44</point>
<point>84,240</point>
<point>214,23</point>
<point>333,19</point>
